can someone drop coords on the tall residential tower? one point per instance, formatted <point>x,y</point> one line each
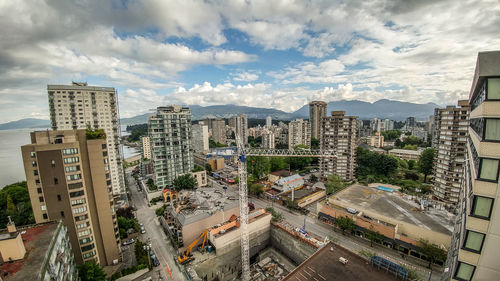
<point>474,253</point>
<point>171,143</point>
<point>79,106</point>
<point>299,132</point>
<point>68,178</point>
<point>317,110</point>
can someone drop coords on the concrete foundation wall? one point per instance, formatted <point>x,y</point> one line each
<point>291,247</point>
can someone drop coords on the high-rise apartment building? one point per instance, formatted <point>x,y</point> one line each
<point>474,253</point>
<point>389,124</point>
<point>146,147</point>
<point>450,149</point>
<point>269,121</point>
<point>339,134</point>
<point>218,130</point>
<point>410,122</point>
<point>200,138</point>
<point>317,110</point>
<point>79,106</point>
<point>240,123</point>
<point>268,139</point>
<point>171,143</point>
<point>299,132</point>
<point>68,178</point>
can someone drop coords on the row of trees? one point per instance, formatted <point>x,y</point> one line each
<point>431,251</point>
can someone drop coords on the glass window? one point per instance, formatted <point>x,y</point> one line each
<point>474,241</point>
<point>482,206</point>
<point>493,89</point>
<point>489,169</point>
<point>492,131</point>
<point>464,271</point>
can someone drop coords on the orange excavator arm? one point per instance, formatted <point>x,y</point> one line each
<point>185,257</point>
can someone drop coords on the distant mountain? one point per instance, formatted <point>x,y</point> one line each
<point>384,108</point>
<point>219,111</point>
<point>26,123</point>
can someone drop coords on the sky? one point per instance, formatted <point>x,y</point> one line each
<point>272,54</point>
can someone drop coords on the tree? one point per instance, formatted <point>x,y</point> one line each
<point>411,164</point>
<point>185,182</point>
<point>208,168</point>
<point>126,212</point>
<point>345,223</point>
<point>313,178</point>
<point>15,202</point>
<point>258,166</point>
<point>151,184</point>
<point>278,163</point>
<point>333,183</point>
<point>314,143</point>
<point>276,216</point>
<point>425,162</point>
<point>91,271</point>
<point>212,143</point>
<point>197,168</point>
<point>256,189</point>
<point>432,252</point>
<point>373,236</point>
<point>391,134</point>
<point>299,163</point>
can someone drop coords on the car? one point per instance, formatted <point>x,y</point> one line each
<point>128,242</point>
<point>154,259</point>
<point>143,230</point>
<point>313,171</point>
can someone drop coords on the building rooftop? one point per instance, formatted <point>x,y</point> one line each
<point>394,205</point>
<point>37,242</point>
<point>289,179</point>
<point>281,173</point>
<point>324,265</point>
<point>405,151</point>
<point>204,202</point>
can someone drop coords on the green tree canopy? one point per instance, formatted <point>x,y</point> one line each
<point>425,162</point>
<point>373,163</point>
<point>314,143</point>
<point>391,135</point>
<point>185,182</point>
<point>256,189</point>
<point>333,183</point>
<point>15,202</point>
<point>345,223</point>
<point>258,166</point>
<point>433,252</point>
<point>278,163</point>
<point>373,236</point>
<point>91,271</point>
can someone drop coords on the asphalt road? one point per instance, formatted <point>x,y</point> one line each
<point>154,234</point>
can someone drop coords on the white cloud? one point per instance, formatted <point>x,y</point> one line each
<point>245,76</point>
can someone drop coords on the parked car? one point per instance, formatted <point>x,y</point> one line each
<point>128,242</point>
<point>154,259</point>
<point>143,230</point>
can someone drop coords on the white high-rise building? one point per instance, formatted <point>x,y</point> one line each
<point>269,121</point>
<point>268,139</point>
<point>299,132</point>
<point>171,143</point>
<point>79,106</point>
<point>241,127</point>
<point>146,148</point>
<point>200,138</point>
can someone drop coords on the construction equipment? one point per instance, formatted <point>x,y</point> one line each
<point>186,256</point>
<point>243,189</point>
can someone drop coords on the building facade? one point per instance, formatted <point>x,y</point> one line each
<point>79,106</point>
<point>146,147</point>
<point>240,128</point>
<point>269,121</point>
<point>68,178</point>
<point>171,143</point>
<point>200,138</point>
<point>339,135</point>
<point>317,110</point>
<point>218,130</point>
<point>450,150</point>
<point>474,248</point>
<point>299,132</point>
<point>268,139</point>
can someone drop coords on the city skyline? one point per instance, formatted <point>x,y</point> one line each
<point>286,54</point>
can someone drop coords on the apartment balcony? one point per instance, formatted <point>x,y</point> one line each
<point>484,148</point>
<point>486,109</point>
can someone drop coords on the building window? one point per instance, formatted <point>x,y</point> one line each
<point>73,177</point>
<point>70,151</point>
<point>35,172</point>
<point>76,193</point>
<point>482,207</point>
<point>45,217</point>
<point>58,197</point>
<point>33,163</point>
<point>39,190</point>
<point>464,271</point>
<point>62,214</point>
<point>473,241</point>
<point>70,160</point>
<point>53,163</point>
<point>493,89</point>
<point>86,240</point>
<point>492,130</point>
<point>70,169</point>
<point>103,146</point>
<point>40,199</point>
<point>33,154</point>
<point>56,181</point>
<point>488,169</point>
<point>37,181</point>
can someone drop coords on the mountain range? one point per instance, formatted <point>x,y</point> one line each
<point>382,109</point>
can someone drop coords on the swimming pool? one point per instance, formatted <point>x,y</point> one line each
<point>385,188</point>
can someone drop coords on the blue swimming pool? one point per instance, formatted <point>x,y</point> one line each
<point>385,188</point>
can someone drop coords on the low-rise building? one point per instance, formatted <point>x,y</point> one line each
<point>216,163</point>
<point>276,175</point>
<point>201,178</point>
<point>289,183</point>
<point>406,154</point>
<point>50,256</point>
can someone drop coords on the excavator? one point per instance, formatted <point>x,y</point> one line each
<point>186,256</point>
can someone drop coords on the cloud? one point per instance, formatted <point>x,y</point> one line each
<point>245,76</point>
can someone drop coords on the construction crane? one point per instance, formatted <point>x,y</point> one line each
<point>243,189</point>
<point>186,256</point>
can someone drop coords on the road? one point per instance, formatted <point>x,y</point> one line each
<point>154,234</point>
<point>355,244</point>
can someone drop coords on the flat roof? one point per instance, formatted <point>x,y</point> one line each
<point>393,205</point>
<point>36,241</point>
<point>324,265</point>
